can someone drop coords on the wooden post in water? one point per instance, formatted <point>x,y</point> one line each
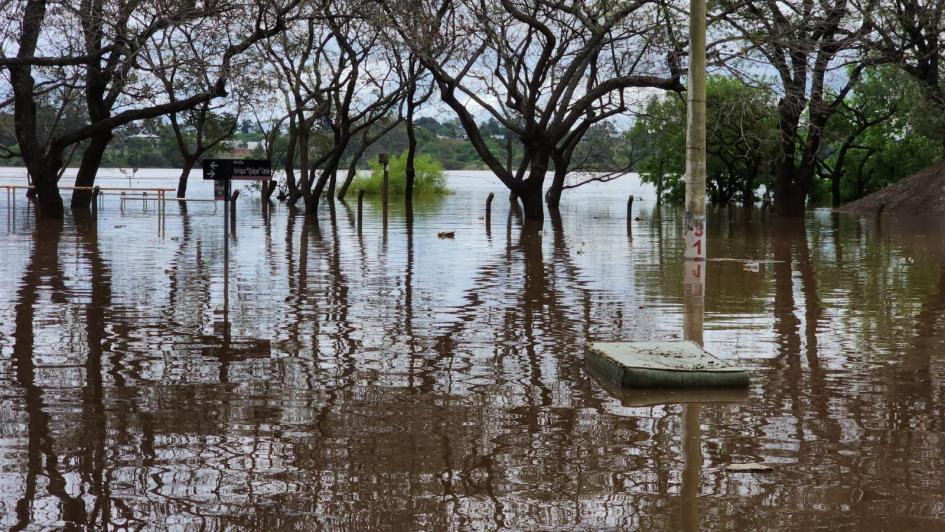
<point>384,160</point>
<point>233,195</point>
<point>489,207</point>
<point>360,207</point>
<point>629,206</point>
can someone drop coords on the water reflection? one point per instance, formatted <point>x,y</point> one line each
<point>393,379</point>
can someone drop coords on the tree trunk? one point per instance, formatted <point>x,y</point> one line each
<point>410,171</point>
<point>789,200</point>
<point>189,163</point>
<point>305,173</point>
<point>789,111</point>
<point>331,167</point>
<point>748,193</point>
<point>91,161</point>
<point>531,196</point>
<point>553,196</point>
<point>790,192</point>
<point>331,185</point>
<point>47,196</point>
<point>268,188</point>
<point>290,163</point>
<point>530,190</point>
<point>352,170</point>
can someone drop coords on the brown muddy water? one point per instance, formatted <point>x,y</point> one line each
<point>389,379</point>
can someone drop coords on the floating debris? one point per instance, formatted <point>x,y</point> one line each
<point>664,365</point>
<point>746,261</point>
<point>446,234</point>
<point>749,467</point>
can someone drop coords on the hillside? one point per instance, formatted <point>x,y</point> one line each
<point>922,193</point>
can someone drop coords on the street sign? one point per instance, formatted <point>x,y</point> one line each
<point>219,190</point>
<point>240,169</point>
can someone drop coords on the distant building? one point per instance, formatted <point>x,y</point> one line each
<point>240,149</point>
<point>151,137</point>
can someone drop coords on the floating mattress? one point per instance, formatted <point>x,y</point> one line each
<point>663,365</point>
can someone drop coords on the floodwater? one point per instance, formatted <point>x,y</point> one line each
<point>384,378</point>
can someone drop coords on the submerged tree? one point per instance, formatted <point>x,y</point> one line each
<point>657,141</point>
<point>808,44</point>
<point>104,59</point>
<point>545,70</point>
<point>911,35</point>
<point>742,139</point>
<point>741,135</point>
<point>202,128</point>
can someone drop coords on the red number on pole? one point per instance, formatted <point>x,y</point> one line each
<point>698,246</point>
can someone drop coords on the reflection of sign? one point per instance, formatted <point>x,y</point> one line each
<point>695,237</point>
<point>242,169</point>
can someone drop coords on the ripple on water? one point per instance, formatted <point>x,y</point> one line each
<point>388,378</point>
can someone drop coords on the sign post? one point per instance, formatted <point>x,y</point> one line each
<point>223,172</point>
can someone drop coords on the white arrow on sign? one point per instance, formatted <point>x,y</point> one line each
<point>213,168</point>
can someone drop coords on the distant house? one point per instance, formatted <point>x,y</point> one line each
<point>239,149</point>
<point>150,137</point>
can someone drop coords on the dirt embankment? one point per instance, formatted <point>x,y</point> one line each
<point>922,193</point>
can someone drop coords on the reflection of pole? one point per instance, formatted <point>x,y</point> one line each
<point>692,466</point>
<point>360,208</point>
<point>695,254</point>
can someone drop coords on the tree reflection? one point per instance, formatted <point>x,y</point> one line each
<point>43,267</point>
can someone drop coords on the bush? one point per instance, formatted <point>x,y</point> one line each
<point>428,181</point>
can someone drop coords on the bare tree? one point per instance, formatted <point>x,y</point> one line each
<point>269,116</point>
<point>297,57</point>
<point>369,90</point>
<point>204,127</point>
<point>546,70</point>
<point>810,44</point>
<point>106,56</point>
<point>911,34</point>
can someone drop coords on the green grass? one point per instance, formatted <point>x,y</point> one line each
<point>429,180</point>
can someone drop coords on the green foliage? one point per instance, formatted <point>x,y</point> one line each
<point>657,144</point>
<point>742,132</point>
<point>884,131</point>
<point>429,180</point>
<point>599,150</point>
<point>742,135</point>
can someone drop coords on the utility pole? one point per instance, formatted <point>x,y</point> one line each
<point>694,267</point>
<point>695,135</point>
<point>695,233</point>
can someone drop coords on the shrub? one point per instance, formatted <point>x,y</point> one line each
<point>428,181</point>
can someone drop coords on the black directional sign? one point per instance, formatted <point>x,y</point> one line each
<point>244,169</point>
